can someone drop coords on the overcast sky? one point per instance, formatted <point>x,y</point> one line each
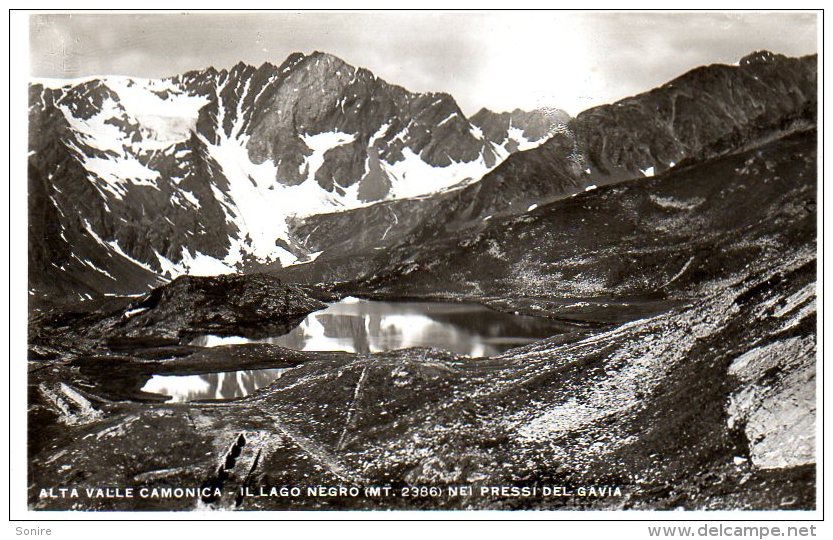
<point>499,60</point>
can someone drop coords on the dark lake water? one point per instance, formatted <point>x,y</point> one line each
<point>364,326</point>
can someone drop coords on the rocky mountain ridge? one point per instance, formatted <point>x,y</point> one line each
<point>706,113</point>
<point>197,173</point>
<point>126,200</point>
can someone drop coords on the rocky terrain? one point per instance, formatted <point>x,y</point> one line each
<point>684,377</point>
<point>680,119</point>
<point>690,383</point>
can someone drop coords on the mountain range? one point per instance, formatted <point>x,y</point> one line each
<point>133,181</point>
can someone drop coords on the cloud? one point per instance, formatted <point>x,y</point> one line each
<point>500,60</point>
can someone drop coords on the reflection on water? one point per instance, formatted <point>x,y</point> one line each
<point>363,326</point>
<point>215,386</point>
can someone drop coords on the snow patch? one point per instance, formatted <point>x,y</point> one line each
<point>413,177</point>
<point>381,132</point>
<point>196,265</point>
<point>188,196</point>
<point>310,258</point>
<point>115,246</point>
<point>120,172</point>
<point>320,144</point>
<point>517,135</point>
<point>447,119</point>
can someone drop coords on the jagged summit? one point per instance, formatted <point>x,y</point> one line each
<point>761,57</point>
<point>321,62</point>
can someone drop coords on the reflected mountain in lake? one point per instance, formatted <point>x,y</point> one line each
<point>364,326</point>
<point>211,386</point>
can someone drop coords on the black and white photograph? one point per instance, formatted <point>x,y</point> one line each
<point>457,261</point>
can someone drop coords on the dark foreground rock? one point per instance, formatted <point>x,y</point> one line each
<point>173,314</point>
